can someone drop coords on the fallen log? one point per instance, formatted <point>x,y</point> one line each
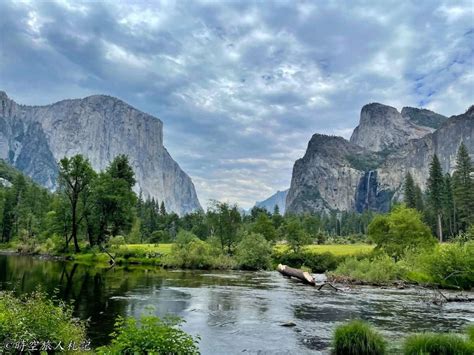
<point>299,274</point>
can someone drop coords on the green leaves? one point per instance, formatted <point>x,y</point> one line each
<point>400,230</point>
<point>150,335</point>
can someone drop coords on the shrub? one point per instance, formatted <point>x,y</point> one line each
<point>381,269</point>
<point>151,335</point>
<point>190,252</point>
<point>357,338</point>
<point>117,240</point>
<point>37,317</point>
<point>317,262</point>
<point>451,265</point>
<point>432,343</point>
<point>448,265</point>
<point>253,252</point>
<point>400,230</point>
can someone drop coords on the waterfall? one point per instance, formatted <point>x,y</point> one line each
<point>369,176</point>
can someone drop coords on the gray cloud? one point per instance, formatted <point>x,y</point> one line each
<point>242,85</point>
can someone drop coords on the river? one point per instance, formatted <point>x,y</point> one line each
<point>233,312</point>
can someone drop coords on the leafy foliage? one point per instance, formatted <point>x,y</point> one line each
<point>190,252</point>
<point>150,335</point>
<point>37,317</point>
<point>400,230</point>
<point>379,270</point>
<point>292,231</point>
<point>253,252</point>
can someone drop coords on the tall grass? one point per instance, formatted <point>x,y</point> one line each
<point>358,338</point>
<point>437,344</point>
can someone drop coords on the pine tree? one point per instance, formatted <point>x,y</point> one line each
<point>448,205</point>
<point>410,191</point>
<point>162,208</point>
<point>463,188</point>
<point>435,193</point>
<point>419,199</point>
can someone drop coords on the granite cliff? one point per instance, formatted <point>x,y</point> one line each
<point>34,138</point>
<point>367,172</point>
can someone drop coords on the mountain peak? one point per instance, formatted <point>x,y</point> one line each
<point>3,95</point>
<point>382,127</point>
<point>423,117</point>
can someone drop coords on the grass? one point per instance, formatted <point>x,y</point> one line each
<point>144,249</point>
<point>433,343</point>
<point>358,338</point>
<point>335,249</point>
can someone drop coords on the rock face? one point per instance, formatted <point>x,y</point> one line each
<point>277,199</point>
<point>382,128</point>
<point>423,117</point>
<point>339,175</point>
<point>34,138</point>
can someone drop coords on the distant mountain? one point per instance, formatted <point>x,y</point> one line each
<point>368,172</point>
<point>34,138</point>
<point>279,198</point>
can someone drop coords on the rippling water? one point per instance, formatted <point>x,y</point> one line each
<point>233,312</point>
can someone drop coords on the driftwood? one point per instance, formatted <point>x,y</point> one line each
<point>112,259</point>
<point>459,298</point>
<point>303,276</point>
<point>299,274</point>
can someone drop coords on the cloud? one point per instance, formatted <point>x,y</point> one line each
<point>241,86</point>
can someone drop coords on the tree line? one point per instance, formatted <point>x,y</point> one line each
<point>448,204</point>
<point>88,208</point>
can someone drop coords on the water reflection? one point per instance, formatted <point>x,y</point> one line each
<point>233,312</point>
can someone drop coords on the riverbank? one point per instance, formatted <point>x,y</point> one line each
<point>232,310</point>
<point>449,266</point>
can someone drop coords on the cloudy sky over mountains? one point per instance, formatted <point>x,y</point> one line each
<point>242,85</point>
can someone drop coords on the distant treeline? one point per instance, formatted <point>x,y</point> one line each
<point>90,207</point>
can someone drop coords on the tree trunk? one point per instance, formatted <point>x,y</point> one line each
<point>74,226</point>
<point>440,228</point>
<point>299,274</point>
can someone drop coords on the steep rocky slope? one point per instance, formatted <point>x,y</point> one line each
<point>336,174</point>
<point>423,117</point>
<point>382,127</point>
<point>34,138</point>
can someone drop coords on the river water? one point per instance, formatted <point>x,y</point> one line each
<point>233,312</point>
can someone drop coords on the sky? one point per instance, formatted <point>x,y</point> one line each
<point>241,86</point>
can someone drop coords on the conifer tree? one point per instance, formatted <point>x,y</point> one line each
<point>419,199</point>
<point>163,208</point>
<point>463,188</point>
<point>448,205</point>
<point>410,191</point>
<point>435,194</point>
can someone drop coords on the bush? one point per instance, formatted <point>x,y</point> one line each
<point>253,252</point>
<point>317,262</point>
<point>442,344</point>
<point>357,338</point>
<point>190,252</point>
<point>400,230</point>
<point>381,269</point>
<point>451,265</point>
<point>151,335</point>
<point>448,265</point>
<point>37,317</point>
<point>117,240</point>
